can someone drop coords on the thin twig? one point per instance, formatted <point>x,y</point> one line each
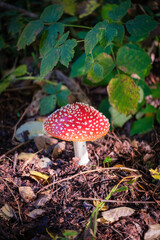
<point>116,201</point>
<point>19,211</point>
<point>21,10</point>
<point>15,127</point>
<point>13,149</point>
<point>87,172</point>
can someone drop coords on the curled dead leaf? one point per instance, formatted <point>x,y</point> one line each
<point>114,214</point>
<point>153,232</point>
<point>27,193</point>
<point>58,149</point>
<point>35,213</point>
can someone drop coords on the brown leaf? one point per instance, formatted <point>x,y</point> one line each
<point>44,142</point>
<point>58,149</point>
<point>114,214</point>
<point>153,232</point>
<point>7,212</point>
<point>35,104</point>
<point>35,213</point>
<point>27,193</point>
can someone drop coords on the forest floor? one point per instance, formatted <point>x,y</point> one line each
<point>61,195</point>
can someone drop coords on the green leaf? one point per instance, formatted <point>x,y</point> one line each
<point>158,115</point>
<point>120,32</point>
<point>89,61</point>
<point>106,9</point>
<point>92,38</point>
<point>132,59</point>
<point>20,70</point>
<point>69,233</point>
<point>149,109</point>
<point>49,62</point>
<point>62,39</point>
<point>140,27</point>
<point>156,91</point>
<point>118,119</point>
<point>108,35</point>
<point>142,125</point>
<point>14,26</point>
<point>78,67</point>
<point>29,33</point>
<point>107,160</point>
<point>144,86</point>
<point>123,94</point>
<point>4,84</point>
<point>121,189</point>
<point>48,39</point>
<point>98,70</point>
<point>104,106</point>
<point>50,89</point>
<point>120,11</point>
<point>48,104</point>
<point>52,13</point>
<point>106,62</point>
<point>62,97</point>
<point>90,6</point>
<point>67,52</point>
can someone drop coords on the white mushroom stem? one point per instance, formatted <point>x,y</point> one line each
<point>80,150</point>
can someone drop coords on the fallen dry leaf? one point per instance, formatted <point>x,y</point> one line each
<point>58,149</point>
<point>104,208</point>
<point>39,175</point>
<point>44,162</point>
<point>27,193</point>
<point>44,142</point>
<point>7,212</point>
<point>43,199</point>
<point>35,104</point>
<point>35,213</point>
<point>114,214</point>
<point>153,232</point>
<point>26,156</point>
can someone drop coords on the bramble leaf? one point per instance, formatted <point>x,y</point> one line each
<point>140,27</point>
<point>98,70</point>
<point>48,104</point>
<point>118,119</point>
<point>62,39</point>
<point>52,13</point>
<point>67,52</point>
<point>49,62</point>
<point>106,9</point>
<point>69,6</point>
<point>120,11</point>
<point>29,33</point>
<point>62,97</point>
<point>91,39</point>
<point>106,62</point>
<point>123,94</point>
<point>49,37</point>
<point>132,59</point>
<point>142,125</point>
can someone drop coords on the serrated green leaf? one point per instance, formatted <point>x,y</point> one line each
<point>140,27</point>
<point>118,119</point>
<point>98,70</point>
<point>48,104</point>
<point>91,39</point>
<point>52,13</point>
<point>67,52</point>
<point>158,115</point>
<point>50,89</point>
<point>142,125</point>
<point>106,62</point>
<point>90,6</point>
<point>20,70</point>
<point>132,59</point>
<point>62,97</point>
<point>123,94</point>
<point>29,33</point>
<point>120,32</point>
<point>49,61</point>
<point>108,35</point>
<point>62,39</point>
<point>48,39</point>
<point>89,61</point>
<point>120,11</point>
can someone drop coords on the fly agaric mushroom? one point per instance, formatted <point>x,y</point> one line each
<point>77,122</point>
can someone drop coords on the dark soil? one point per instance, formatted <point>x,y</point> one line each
<point>61,196</point>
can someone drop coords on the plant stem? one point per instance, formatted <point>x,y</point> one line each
<point>78,26</point>
<point>35,78</point>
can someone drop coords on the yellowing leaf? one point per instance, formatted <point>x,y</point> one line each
<point>26,156</point>
<point>39,175</point>
<point>155,173</point>
<point>114,214</point>
<point>96,203</point>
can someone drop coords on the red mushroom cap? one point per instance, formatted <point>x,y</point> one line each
<point>77,122</point>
